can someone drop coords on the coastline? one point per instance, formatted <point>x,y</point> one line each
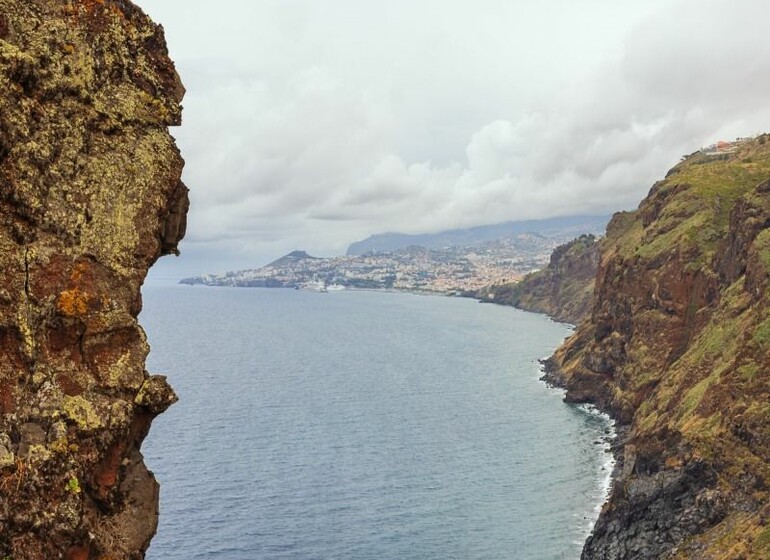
<point>615,435</point>
<point>347,289</point>
<point>573,488</point>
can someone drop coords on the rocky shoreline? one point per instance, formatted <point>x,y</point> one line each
<point>657,504</point>
<point>675,348</point>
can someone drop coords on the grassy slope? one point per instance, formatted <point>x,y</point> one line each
<point>683,347</point>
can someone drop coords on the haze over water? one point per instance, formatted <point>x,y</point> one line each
<point>364,425</point>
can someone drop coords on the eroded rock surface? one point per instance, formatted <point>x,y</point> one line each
<point>90,197</point>
<point>677,349</point>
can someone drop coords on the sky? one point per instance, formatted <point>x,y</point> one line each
<point>310,125</point>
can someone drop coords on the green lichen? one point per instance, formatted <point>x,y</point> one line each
<point>38,454</point>
<point>82,413</point>
<point>73,485</point>
<point>88,168</point>
<point>60,445</point>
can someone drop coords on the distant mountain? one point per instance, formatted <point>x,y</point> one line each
<point>293,257</point>
<point>561,229</point>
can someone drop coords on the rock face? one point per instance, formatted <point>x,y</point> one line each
<point>90,197</point>
<point>677,349</point>
<point>564,289</point>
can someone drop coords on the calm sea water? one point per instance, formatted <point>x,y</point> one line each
<point>364,425</point>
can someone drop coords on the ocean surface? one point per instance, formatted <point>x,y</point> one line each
<point>364,425</point>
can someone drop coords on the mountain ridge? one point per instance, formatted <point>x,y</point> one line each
<point>293,257</point>
<point>563,229</point>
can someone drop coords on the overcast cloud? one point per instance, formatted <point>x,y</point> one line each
<point>309,125</point>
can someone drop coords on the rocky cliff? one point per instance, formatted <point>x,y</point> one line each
<point>90,197</point>
<point>564,289</point>
<point>677,349</point>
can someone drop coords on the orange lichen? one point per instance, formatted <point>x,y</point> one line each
<point>77,273</point>
<point>91,5</point>
<point>73,302</point>
<point>92,9</point>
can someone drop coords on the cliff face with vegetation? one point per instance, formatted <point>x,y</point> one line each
<point>677,348</point>
<point>563,290</point>
<point>90,197</point>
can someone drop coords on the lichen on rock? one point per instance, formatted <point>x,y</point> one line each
<point>90,197</point>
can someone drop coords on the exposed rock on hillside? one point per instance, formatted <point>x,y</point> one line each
<point>677,348</point>
<point>563,290</point>
<point>90,197</point>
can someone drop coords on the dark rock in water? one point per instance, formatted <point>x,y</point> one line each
<point>90,197</point>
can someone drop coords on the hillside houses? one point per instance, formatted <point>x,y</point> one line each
<point>724,147</point>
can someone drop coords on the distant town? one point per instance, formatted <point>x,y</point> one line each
<point>457,262</point>
<point>451,270</point>
<point>724,147</point>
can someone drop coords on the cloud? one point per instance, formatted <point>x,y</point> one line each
<point>310,125</point>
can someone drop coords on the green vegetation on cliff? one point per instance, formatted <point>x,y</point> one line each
<point>677,348</point>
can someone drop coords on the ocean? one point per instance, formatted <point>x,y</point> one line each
<point>365,425</point>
